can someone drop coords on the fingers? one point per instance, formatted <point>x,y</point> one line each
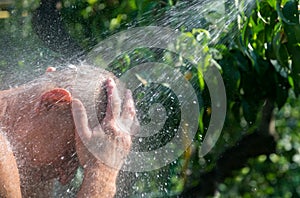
<point>113,100</point>
<point>109,141</point>
<point>128,111</point>
<point>115,121</point>
<point>135,127</point>
<point>80,119</point>
<point>127,121</point>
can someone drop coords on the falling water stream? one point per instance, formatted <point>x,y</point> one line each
<point>217,17</point>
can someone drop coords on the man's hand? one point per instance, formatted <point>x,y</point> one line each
<point>110,141</point>
<point>103,149</point>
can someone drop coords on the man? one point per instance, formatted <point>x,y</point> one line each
<point>47,133</point>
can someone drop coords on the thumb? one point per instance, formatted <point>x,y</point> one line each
<point>81,120</point>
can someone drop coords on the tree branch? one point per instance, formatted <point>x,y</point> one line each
<point>260,142</point>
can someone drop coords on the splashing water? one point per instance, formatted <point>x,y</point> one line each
<point>219,18</point>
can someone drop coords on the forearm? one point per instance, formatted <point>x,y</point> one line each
<point>99,181</point>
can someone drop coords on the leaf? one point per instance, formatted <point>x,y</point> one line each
<point>280,50</point>
<point>283,56</point>
<point>231,76</point>
<point>290,12</point>
<point>249,111</point>
<point>282,90</point>
<point>236,111</point>
<point>281,96</point>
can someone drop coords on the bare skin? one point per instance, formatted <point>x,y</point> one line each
<point>42,129</point>
<point>9,180</point>
<point>98,177</point>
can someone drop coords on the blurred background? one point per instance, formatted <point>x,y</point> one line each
<point>254,44</point>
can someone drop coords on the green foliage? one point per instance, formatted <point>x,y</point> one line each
<point>276,175</point>
<point>265,58</point>
<point>267,66</point>
<point>92,20</point>
<point>259,61</point>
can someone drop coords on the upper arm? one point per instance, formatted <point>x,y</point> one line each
<point>9,175</point>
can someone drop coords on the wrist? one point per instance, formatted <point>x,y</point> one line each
<point>100,170</point>
<point>99,181</point>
